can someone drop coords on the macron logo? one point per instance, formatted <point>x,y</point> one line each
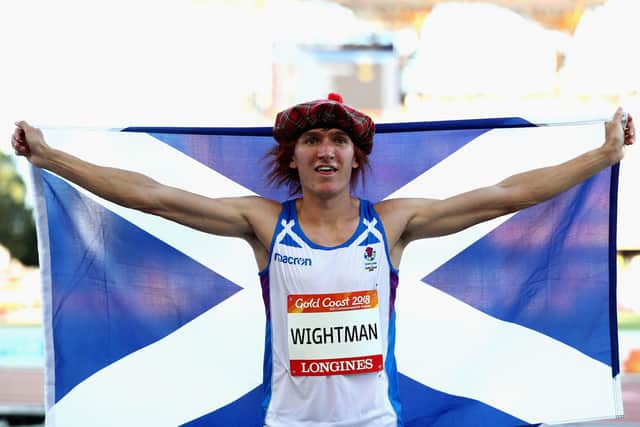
<point>291,259</point>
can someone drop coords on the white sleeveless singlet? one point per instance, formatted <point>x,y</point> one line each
<point>329,350</point>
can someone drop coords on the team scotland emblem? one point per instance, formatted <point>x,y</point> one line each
<point>370,262</point>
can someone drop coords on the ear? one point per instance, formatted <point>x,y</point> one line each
<point>292,164</point>
<point>355,164</point>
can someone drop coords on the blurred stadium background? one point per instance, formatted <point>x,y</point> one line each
<point>236,63</point>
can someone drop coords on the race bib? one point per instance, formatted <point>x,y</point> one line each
<point>334,334</point>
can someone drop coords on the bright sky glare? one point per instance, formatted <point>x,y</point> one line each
<point>173,62</point>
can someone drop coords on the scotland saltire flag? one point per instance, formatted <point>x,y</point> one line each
<point>508,323</point>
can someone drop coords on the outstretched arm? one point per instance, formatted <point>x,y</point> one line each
<point>410,219</point>
<point>228,216</point>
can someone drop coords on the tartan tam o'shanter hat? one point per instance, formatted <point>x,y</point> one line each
<point>330,113</point>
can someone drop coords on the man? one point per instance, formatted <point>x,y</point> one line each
<point>328,260</point>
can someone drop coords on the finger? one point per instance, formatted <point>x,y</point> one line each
<point>630,132</point>
<point>617,116</point>
<point>18,134</point>
<point>22,124</point>
<point>18,148</point>
<point>615,119</point>
<point>631,127</point>
<point>15,142</point>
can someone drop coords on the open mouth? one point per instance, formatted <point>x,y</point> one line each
<point>325,169</point>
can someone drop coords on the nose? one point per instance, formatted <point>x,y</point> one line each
<point>326,149</point>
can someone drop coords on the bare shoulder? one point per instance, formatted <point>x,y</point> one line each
<point>394,210</point>
<point>260,206</point>
<point>397,214</point>
<point>258,202</point>
<point>262,214</point>
<point>257,210</point>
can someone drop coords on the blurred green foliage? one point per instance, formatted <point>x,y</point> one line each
<point>17,228</point>
<point>629,320</point>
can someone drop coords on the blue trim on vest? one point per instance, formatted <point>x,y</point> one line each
<point>380,226</point>
<point>369,240</point>
<point>267,371</point>
<point>267,363</point>
<point>291,206</point>
<point>283,214</point>
<point>391,369</point>
<point>287,240</point>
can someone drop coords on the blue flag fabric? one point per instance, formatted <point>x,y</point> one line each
<point>508,323</point>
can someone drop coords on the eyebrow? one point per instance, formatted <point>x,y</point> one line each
<point>341,132</point>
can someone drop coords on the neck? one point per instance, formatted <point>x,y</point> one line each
<point>330,210</point>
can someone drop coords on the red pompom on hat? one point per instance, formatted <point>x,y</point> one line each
<point>335,97</point>
<point>330,113</point>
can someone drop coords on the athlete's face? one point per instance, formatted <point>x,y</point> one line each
<point>324,159</point>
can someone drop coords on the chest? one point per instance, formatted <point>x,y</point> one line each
<point>309,270</point>
<point>328,235</point>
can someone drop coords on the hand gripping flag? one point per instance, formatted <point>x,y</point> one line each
<point>508,323</point>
